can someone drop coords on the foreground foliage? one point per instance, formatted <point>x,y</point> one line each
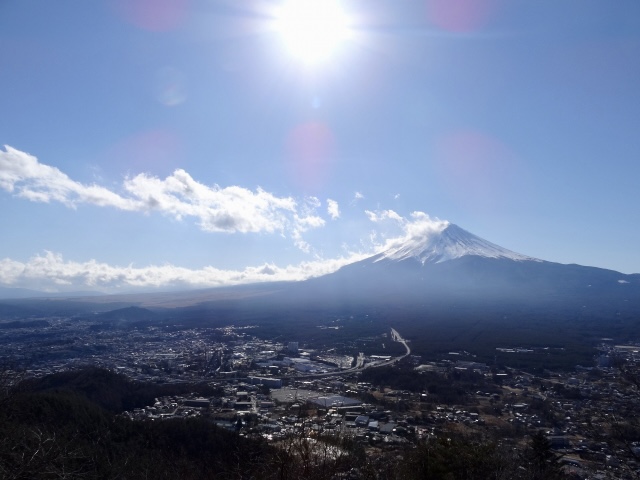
<point>57,428</point>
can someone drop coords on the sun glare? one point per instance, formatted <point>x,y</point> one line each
<point>312,30</point>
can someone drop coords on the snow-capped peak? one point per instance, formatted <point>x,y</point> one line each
<point>446,242</point>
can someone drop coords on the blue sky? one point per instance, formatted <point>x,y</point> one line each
<point>161,144</point>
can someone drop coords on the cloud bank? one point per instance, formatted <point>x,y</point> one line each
<point>231,209</point>
<point>51,272</point>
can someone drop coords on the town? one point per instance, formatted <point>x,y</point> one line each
<point>278,388</point>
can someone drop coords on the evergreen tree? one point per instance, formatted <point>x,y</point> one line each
<point>542,462</point>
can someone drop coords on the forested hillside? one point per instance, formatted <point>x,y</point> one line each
<point>66,426</point>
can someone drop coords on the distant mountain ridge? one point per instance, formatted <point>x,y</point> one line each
<point>453,266</point>
<point>445,290</point>
<point>446,265</point>
<point>12,293</point>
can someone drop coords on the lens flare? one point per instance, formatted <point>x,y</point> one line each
<point>476,168</point>
<point>153,15</point>
<point>310,150</point>
<point>171,87</point>
<point>460,15</point>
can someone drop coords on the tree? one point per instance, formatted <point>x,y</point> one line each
<point>542,462</point>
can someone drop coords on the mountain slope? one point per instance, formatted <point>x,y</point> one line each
<point>10,293</point>
<point>450,243</point>
<point>454,266</point>
<point>445,266</point>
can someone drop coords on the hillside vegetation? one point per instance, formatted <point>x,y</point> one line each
<point>65,426</point>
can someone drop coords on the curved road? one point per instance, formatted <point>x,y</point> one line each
<point>395,336</point>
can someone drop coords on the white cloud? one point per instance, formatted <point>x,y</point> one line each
<point>179,196</point>
<point>313,202</point>
<point>307,221</point>
<point>215,209</point>
<point>383,215</point>
<point>414,231</point>
<point>230,209</point>
<point>357,196</point>
<point>333,209</point>
<point>51,271</point>
<point>22,173</point>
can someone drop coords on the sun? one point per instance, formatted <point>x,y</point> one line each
<point>312,30</point>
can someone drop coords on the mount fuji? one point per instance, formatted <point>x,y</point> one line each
<point>449,243</point>
<point>447,265</point>
<point>444,288</point>
<point>439,267</point>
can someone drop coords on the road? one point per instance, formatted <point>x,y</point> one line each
<point>360,365</point>
<point>396,337</point>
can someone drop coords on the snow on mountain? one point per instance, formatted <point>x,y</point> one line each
<point>446,242</point>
